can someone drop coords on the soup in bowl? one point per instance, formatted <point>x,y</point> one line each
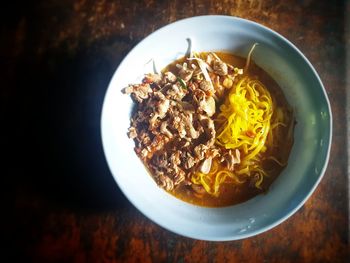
<point>220,139</point>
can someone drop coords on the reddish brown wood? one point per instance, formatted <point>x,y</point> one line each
<point>58,57</point>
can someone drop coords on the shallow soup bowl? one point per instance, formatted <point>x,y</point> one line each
<point>301,86</point>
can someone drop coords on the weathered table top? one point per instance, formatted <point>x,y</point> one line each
<point>57,60</point>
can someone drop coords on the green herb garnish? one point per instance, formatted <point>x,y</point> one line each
<point>182,83</point>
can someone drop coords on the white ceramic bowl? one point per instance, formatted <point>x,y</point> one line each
<point>302,88</point>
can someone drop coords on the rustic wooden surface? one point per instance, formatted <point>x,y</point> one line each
<point>57,58</point>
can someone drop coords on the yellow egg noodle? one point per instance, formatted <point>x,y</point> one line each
<point>245,123</point>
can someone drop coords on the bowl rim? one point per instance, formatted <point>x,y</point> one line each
<point>330,126</point>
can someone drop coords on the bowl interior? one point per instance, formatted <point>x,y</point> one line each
<point>302,88</point>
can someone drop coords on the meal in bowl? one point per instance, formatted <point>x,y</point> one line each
<point>213,129</point>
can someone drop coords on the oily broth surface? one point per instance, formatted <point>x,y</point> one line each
<point>231,194</point>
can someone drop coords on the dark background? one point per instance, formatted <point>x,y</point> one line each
<point>57,58</point>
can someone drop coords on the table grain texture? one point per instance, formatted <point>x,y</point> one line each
<point>57,58</point>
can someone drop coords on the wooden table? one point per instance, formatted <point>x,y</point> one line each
<point>58,57</point>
